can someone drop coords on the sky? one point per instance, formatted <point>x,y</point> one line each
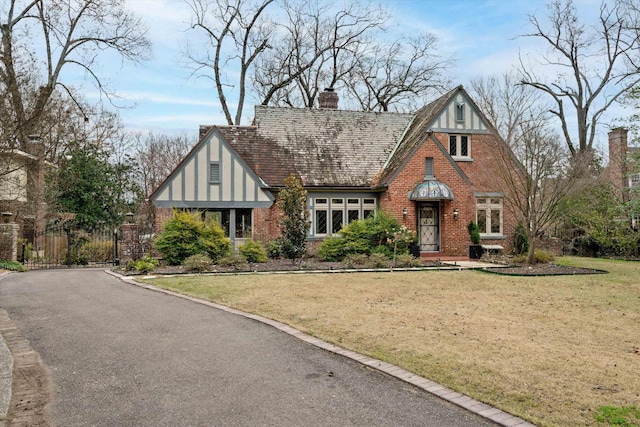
<point>483,36</point>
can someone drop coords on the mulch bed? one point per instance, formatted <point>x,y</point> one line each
<point>542,270</point>
<point>314,264</point>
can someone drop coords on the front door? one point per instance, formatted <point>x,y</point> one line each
<point>429,227</point>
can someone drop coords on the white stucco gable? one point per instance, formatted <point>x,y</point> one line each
<point>212,175</point>
<point>460,115</point>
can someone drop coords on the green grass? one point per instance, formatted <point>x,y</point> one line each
<point>625,416</point>
<point>551,350</point>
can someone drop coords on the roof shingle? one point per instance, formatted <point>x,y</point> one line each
<point>325,147</point>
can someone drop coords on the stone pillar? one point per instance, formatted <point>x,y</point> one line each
<point>131,248</point>
<point>9,241</point>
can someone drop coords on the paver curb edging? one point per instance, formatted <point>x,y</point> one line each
<point>481,409</point>
<point>6,372</point>
<point>30,391</point>
<point>6,377</point>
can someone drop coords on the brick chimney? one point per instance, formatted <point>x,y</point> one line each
<point>328,99</point>
<point>617,167</point>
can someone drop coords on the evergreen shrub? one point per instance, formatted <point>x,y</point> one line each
<point>253,251</point>
<point>186,234</point>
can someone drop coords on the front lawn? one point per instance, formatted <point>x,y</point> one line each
<point>551,350</point>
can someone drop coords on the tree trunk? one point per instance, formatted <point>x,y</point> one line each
<point>531,255</point>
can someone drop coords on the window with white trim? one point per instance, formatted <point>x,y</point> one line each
<point>243,224</point>
<point>460,146</point>
<point>489,216</point>
<point>321,208</point>
<point>337,215</point>
<point>353,210</point>
<point>368,208</point>
<point>330,214</point>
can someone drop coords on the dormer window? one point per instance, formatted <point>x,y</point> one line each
<point>460,147</point>
<point>459,112</point>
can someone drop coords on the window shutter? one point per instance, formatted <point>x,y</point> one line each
<point>214,172</point>
<point>460,112</point>
<point>428,174</point>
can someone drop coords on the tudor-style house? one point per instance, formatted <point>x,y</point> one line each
<point>434,170</point>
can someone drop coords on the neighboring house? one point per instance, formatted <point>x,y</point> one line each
<point>434,171</point>
<point>22,186</point>
<point>14,165</point>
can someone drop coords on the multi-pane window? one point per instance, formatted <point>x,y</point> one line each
<point>489,215</point>
<point>368,207</point>
<point>634,180</point>
<point>353,210</point>
<point>337,215</point>
<point>321,214</point>
<point>330,214</point>
<point>459,146</point>
<point>242,224</point>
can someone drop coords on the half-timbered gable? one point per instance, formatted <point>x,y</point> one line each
<point>432,170</point>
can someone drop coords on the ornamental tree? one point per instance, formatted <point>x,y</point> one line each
<point>294,222</point>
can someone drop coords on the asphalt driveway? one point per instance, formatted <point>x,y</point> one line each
<point>120,355</point>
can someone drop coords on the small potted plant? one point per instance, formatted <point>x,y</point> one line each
<point>475,249</point>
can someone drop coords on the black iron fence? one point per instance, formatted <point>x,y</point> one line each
<point>65,245</point>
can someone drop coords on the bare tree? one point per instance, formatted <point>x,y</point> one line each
<point>507,104</point>
<point>58,34</point>
<point>317,48</point>
<point>157,155</point>
<point>310,46</point>
<point>534,190</point>
<point>236,32</point>
<point>397,73</point>
<point>595,65</point>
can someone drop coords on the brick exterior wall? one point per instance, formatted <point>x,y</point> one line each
<point>616,170</point>
<point>265,223</point>
<point>162,216</point>
<point>454,238</point>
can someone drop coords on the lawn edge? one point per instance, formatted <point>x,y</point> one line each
<point>477,407</point>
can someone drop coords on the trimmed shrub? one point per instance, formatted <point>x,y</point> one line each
<point>378,234</point>
<point>253,251</point>
<point>383,250</point>
<point>332,249</point>
<point>355,260</point>
<point>198,263</point>
<point>474,233</point>
<point>185,235</point>
<point>408,260</point>
<point>274,248</point>
<point>232,260</point>
<point>378,260</point>
<point>143,265</point>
